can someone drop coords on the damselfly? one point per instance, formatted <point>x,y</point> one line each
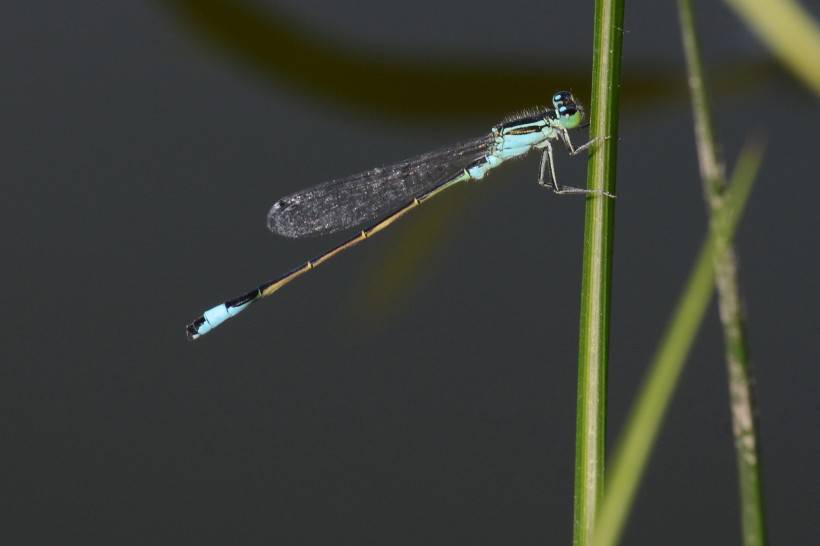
<point>391,192</point>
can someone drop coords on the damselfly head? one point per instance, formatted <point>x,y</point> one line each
<point>570,113</point>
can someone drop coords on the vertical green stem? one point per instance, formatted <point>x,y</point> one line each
<point>597,269</point>
<point>741,393</point>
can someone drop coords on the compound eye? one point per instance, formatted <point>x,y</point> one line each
<point>567,110</point>
<point>570,116</point>
<point>561,97</point>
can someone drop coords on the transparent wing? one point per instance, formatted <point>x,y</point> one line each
<point>347,202</point>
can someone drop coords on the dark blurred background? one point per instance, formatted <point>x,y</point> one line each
<point>420,389</point>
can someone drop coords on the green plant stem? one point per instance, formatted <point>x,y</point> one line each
<point>597,270</point>
<point>642,425</point>
<point>789,30</point>
<point>741,394</point>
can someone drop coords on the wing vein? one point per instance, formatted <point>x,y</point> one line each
<point>346,202</point>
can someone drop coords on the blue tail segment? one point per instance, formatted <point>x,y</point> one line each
<point>215,316</point>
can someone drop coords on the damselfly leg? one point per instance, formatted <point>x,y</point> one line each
<point>548,162</point>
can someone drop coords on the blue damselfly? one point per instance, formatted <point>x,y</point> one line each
<point>392,191</point>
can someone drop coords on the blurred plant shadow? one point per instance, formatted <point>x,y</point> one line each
<point>284,52</point>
